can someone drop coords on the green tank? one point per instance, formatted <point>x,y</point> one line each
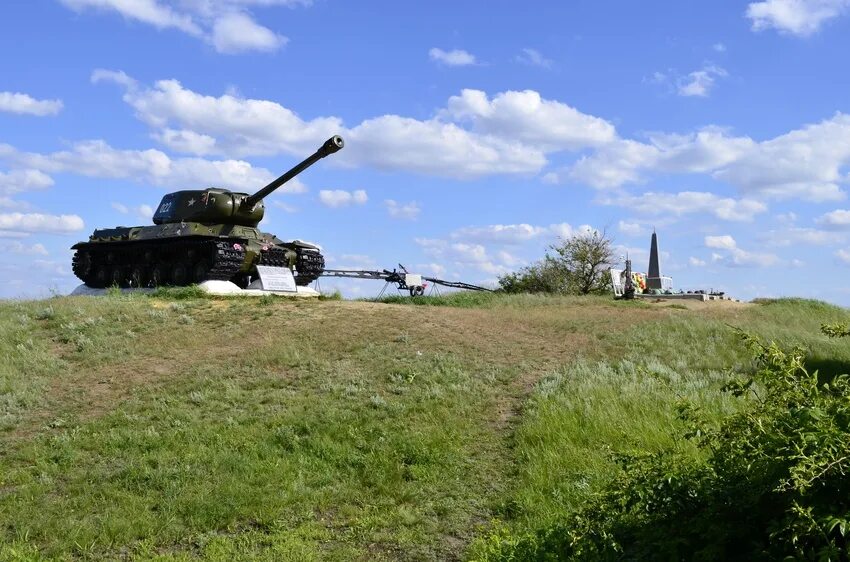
<point>199,235</point>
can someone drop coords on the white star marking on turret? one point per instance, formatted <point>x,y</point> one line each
<point>191,201</point>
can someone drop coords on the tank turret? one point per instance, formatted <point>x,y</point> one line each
<point>222,206</point>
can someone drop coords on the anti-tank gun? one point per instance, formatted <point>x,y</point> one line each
<point>200,235</point>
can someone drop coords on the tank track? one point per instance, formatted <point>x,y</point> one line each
<point>309,264</point>
<point>155,263</point>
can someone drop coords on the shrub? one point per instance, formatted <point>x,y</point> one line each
<point>578,265</point>
<point>774,482</point>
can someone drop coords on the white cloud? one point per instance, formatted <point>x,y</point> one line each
<point>626,161</point>
<point>146,11</point>
<point>431,269</point>
<point>436,148</point>
<point>564,230</point>
<point>700,82</point>
<point>115,76</point>
<point>237,33</point>
<point>36,222</point>
<point>142,212</point>
<point>352,261</point>
<point>695,262</point>
<point>843,255</point>
<point>527,117</point>
<point>719,47</point>
<point>98,159</point>
<point>738,257</point>
<point>9,203</point>
<point>233,125</point>
<point>500,233</point>
<point>838,219</point>
<point>18,181</point>
<point>398,210</point>
<point>804,163</point>
<point>455,57</point>
<point>512,234</point>
<point>14,234</point>
<point>798,17</point>
<point>339,198</point>
<point>224,24</point>
<point>724,242</point>
<point>508,259</point>
<point>22,103</point>
<point>631,228</point>
<point>614,165</point>
<point>227,123</point>
<point>797,236</point>
<point>509,133</point>
<point>16,247</point>
<point>465,254</point>
<point>285,206</point>
<point>186,141</point>
<point>533,57</point>
<point>687,202</point>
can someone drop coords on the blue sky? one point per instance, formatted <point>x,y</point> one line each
<point>477,132</point>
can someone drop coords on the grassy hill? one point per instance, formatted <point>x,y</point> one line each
<point>176,427</point>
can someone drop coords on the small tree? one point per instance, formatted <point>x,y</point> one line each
<point>586,257</point>
<point>577,265</point>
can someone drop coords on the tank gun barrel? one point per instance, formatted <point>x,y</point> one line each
<point>330,146</point>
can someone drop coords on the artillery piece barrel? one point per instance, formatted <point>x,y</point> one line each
<point>330,146</point>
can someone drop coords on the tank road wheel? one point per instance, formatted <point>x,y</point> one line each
<point>138,276</point>
<point>116,276</point>
<point>101,276</point>
<point>180,274</point>
<point>158,276</point>
<point>200,271</point>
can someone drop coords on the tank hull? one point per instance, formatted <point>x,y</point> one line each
<point>185,253</point>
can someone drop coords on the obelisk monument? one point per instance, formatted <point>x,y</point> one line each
<point>653,277</point>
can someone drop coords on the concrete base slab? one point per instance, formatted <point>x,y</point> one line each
<point>211,287</point>
<point>685,296</point>
<point>254,290</point>
<point>85,290</point>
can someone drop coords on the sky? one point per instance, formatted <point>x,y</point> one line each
<point>477,133</point>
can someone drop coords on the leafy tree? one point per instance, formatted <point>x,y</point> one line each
<point>577,265</point>
<point>586,257</point>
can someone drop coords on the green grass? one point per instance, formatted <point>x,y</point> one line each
<point>592,410</point>
<point>169,426</point>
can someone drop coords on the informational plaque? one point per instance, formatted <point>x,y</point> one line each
<point>277,279</point>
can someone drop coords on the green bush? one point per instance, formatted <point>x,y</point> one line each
<point>773,482</point>
<point>578,265</point>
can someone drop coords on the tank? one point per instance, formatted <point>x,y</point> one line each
<point>199,235</point>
